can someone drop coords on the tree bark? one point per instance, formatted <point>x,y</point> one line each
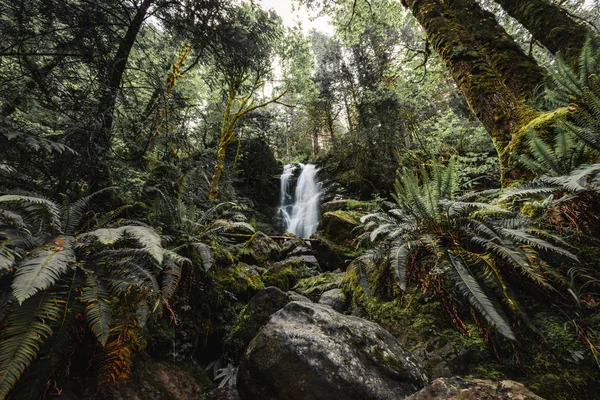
<point>550,25</point>
<point>502,111</point>
<point>519,72</point>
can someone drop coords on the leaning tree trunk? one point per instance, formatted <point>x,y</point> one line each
<point>502,111</point>
<point>519,72</point>
<point>550,25</point>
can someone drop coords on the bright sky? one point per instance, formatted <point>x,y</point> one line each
<point>292,13</point>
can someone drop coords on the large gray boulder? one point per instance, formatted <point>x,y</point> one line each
<point>474,389</point>
<point>309,351</point>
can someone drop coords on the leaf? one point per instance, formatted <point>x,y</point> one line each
<point>40,270</point>
<point>478,299</point>
<point>97,311</point>
<point>27,327</point>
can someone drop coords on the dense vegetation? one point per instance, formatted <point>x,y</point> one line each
<point>141,140</point>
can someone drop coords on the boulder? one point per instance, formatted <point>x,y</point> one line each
<point>330,255</point>
<point>340,227</point>
<point>335,299</point>
<point>301,251</point>
<point>315,286</point>
<point>473,389</point>
<point>238,279</point>
<point>309,351</point>
<point>291,244</point>
<point>285,274</point>
<point>259,250</point>
<point>298,297</point>
<point>256,314</point>
<point>149,379</point>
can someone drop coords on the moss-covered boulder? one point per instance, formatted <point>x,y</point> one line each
<point>285,274</point>
<point>243,282</point>
<point>473,389</point>
<point>252,318</point>
<point>259,250</point>
<point>340,227</point>
<point>314,286</point>
<point>310,351</point>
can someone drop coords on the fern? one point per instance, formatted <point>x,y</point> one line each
<point>27,327</point>
<point>478,299</point>
<point>97,308</point>
<point>466,240</point>
<point>41,270</point>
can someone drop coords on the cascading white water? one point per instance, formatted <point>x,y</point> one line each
<point>302,217</point>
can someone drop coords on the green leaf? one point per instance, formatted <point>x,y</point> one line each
<point>97,311</point>
<point>40,270</point>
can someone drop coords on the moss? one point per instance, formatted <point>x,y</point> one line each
<point>238,280</point>
<point>285,274</point>
<point>314,286</point>
<point>391,362</point>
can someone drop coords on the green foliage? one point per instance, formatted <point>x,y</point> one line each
<point>580,89</point>
<point>566,155</point>
<point>115,270</point>
<point>474,245</point>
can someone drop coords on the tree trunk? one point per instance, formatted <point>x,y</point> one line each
<point>502,111</point>
<point>519,72</point>
<point>218,171</point>
<point>100,144</point>
<point>550,25</point>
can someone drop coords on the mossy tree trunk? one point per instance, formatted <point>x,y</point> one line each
<point>502,111</point>
<point>550,24</point>
<point>519,71</point>
<point>237,106</point>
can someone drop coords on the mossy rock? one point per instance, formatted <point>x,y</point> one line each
<point>259,250</point>
<point>332,256</point>
<point>315,286</point>
<point>238,280</point>
<point>285,274</point>
<point>340,227</point>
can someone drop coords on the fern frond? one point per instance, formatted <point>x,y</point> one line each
<point>476,296</point>
<point>27,327</point>
<point>535,242</point>
<point>37,207</point>
<point>398,256</point>
<point>41,269</point>
<point>145,236</point>
<point>74,212</point>
<point>97,308</point>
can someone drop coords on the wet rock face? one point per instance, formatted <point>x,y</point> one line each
<point>309,351</point>
<point>474,389</point>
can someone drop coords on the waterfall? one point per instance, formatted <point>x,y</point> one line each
<point>301,212</point>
